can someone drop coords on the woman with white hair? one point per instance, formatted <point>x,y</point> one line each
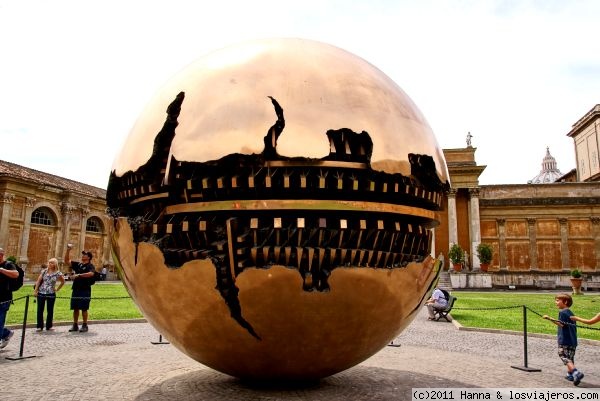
<point>45,291</point>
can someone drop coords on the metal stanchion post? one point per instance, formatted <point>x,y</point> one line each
<point>525,367</point>
<point>23,335</point>
<point>160,341</point>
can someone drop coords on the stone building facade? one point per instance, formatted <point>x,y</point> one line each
<point>41,213</point>
<point>539,231</point>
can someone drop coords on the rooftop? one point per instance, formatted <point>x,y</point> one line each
<point>48,181</point>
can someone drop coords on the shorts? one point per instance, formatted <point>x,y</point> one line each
<point>566,353</point>
<point>80,299</point>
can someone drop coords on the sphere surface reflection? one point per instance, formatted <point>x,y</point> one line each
<point>273,208</point>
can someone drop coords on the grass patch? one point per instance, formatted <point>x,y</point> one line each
<point>512,319</point>
<point>100,309</point>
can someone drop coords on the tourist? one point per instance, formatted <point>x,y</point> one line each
<point>438,300</point>
<point>593,320</point>
<point>83,272</point>
<point>8,271</point>
<point>45,290</point>
<point>567,336</point>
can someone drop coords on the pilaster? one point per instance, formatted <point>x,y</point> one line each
<point>29,207</point>
<point>531,223</point>
<point>564,244</point>
<point>66,209</point>
<point>85,211</point>
<point>502,243</point>
<point>596,230</point>
<point>5,211</point>
<point>474,225</point>
<point>452,219</point>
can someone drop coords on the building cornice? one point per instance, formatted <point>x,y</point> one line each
<point>584,121</point>
<point>558,201</point>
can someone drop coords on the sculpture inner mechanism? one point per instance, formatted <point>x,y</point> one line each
<point>259,210</point>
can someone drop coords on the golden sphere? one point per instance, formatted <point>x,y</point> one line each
<point>273,208</point>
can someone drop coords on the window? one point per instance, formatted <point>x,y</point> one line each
<point>93,225</point>
<point>42,216</point>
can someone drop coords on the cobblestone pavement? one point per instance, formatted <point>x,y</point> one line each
<point>118,362</point>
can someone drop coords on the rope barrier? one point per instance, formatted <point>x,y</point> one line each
<point>13,300</point>
<point>565,323</point>
<point>90,298</point>
<point>490,308</point>
<point>525,367</point>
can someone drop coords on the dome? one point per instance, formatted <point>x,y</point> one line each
<point>549,173</point>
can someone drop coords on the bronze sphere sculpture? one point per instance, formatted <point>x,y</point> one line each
<point>273,209</point>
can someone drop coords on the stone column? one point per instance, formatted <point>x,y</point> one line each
<point>596,232</point>
<point>5,211</point>
<point>501,243</point>
<point>564,244</point>
<point>67,211</point>
<point>533,260</point>
<point>29,204</point>
<point>105,249</point>
<point>452,220</point>
<point>474,225</point>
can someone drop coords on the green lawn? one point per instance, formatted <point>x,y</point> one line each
<point>101,308</point>
<point>492,310</point>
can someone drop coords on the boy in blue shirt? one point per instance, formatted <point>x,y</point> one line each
<point>567,336</point>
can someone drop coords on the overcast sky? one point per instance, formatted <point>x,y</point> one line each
<point>75,75</point>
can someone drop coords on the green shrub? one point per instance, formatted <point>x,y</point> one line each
<point>456,254</point>
<point>484,253</point>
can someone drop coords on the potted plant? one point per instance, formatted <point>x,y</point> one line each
<point>456,256</point>
<point>484,253</point>
<point>576,280</point>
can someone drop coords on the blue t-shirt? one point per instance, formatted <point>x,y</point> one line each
<point>567,335</point>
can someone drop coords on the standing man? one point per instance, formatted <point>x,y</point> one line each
<point>7,272</point>
<point>82,289</point>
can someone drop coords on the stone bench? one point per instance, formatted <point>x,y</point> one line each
<point>590,285</point>
<point>546,284</point>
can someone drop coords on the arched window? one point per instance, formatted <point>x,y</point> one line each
<point>93,225</point>
<point>42,216</point>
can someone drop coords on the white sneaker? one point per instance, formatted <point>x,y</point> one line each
<point>6,339</point>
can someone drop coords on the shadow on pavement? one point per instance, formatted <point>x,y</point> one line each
<point>358,383</point>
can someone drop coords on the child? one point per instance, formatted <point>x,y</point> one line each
<point>567,336</point>
<point>593,320</point>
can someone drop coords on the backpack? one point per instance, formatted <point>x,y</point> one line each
<point>446,294</point>
<point>16,283</point>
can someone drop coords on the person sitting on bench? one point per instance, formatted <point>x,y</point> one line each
<point>438,300</point>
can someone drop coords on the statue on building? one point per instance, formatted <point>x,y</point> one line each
<point>441,259</point>
<point>469,136</point>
